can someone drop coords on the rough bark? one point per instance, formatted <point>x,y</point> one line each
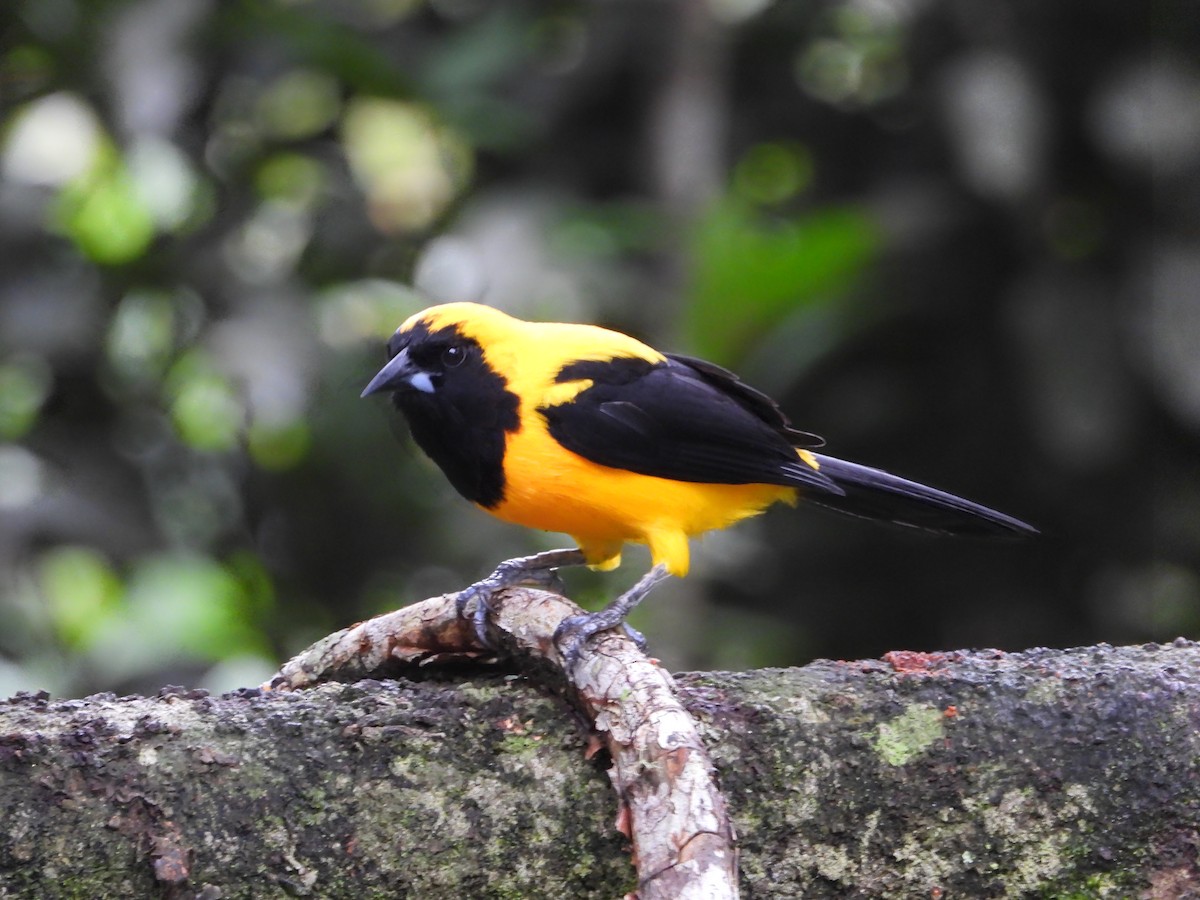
<point>1055,773</point>
<point>671,806</point>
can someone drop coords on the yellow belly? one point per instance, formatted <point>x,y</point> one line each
<point>550,488</point>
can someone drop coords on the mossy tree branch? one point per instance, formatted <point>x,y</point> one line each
<point>1062,773</point>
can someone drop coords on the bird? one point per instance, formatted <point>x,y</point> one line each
<point>579,429</point>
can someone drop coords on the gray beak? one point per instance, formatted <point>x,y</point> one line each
<point>399,369</point>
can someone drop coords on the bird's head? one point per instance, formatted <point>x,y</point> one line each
<point>438,357</point>
<point>448,372</point>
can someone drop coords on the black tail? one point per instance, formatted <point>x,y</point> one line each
<point>874,494</point>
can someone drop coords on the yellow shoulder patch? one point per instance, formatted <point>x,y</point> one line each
<point>563,392</point>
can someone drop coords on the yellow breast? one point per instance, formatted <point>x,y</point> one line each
<point>550,488</point>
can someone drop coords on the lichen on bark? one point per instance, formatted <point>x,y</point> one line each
<point>413,789</point>
<point>1056,773</point>
<point>1053,773</point>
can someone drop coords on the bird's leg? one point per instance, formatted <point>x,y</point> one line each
<point>537,569</point>
<point>573,631</point>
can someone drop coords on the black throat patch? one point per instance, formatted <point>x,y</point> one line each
<point>463,424</point>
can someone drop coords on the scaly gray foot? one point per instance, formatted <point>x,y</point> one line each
<point>573,631</point>
<point>538,569</point>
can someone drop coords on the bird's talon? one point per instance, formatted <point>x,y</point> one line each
<point>575,631</point>
<point>569,637</point>
<point>634,635</point>
<point>539,569</point>
<point>463,600</point>
<point>479,593</point>
<point>481,611</point>
<point>567,625</point>
<point>548,580</point>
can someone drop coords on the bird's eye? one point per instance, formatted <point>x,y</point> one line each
<point>453,356</point>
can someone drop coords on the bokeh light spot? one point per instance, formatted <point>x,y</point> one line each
<point>52,140</point>
<point>20,477</point>
<point>356,311</point>
<point>181,607</point>
<point>773,172</point>
<point>409,166</point>
<point>164,181</point>
<point>104,215</point>
<point>299,104</point>
<point>205,410</point>
<point>278,446</point>
<point>24,384</point>
<point>290,178</point>
<point>141,336</point>
<point>80,589</point>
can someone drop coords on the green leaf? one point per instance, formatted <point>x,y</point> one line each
<point>751,272</point>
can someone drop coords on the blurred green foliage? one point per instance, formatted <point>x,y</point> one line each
<point>24,383</point>
<point>103,215</point>
<point>190,608</point>
<point>213,214</point>
<point>751,273</point>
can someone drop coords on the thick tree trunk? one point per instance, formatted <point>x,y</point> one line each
<point>1046,773</point>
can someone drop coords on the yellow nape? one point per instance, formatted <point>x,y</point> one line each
<point>530,354</point>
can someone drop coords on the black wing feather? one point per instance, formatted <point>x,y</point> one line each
<point>679,421</point>
<point>755,401</point>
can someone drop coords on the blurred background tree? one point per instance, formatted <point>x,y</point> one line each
<point>929,228</point>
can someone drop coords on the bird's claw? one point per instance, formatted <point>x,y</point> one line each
<point>634,635</point>
<point>547,579</point>
<point>574,631</point>
<point>480,593</point>
<point>540,570</point>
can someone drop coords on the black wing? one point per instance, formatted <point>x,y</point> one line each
<point>754,400</point>
<point>683,419</point>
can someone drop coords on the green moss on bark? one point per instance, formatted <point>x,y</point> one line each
<point>1054,774</point>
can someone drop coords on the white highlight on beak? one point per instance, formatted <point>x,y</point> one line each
<point>422,382</point>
